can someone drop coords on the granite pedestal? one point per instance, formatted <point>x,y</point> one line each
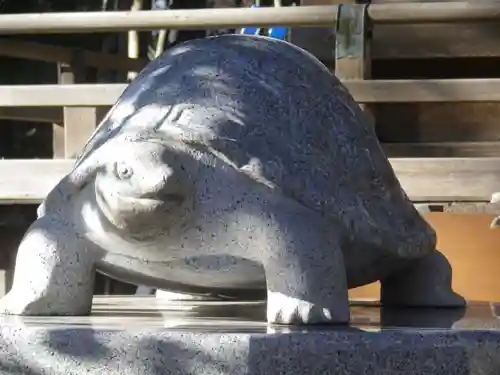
<point>144,335</point>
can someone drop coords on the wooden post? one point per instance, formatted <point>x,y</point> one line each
<point>79,122</point>
<point>353,32</point>
<point>57,141</point>
<point>10,239</point>
<point>69,138</point>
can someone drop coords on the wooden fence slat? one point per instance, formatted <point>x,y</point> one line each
<point>425,91</point>
<point>434,12</point>
<point>57,54</point>
<point>30,180</point>
<point>442,149</point>
<point>448,179</point>
<point>79,122</point>
<point>374,91</point>
<point>424,179</point>
<point>462,208</point>
<point>35,114</point>
<point>78,95</point>
<point>429,41</point>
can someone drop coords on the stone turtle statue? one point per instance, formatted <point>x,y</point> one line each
<point>233,167</point>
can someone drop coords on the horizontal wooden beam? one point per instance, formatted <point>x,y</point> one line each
<point>424,179</point>
<point>374,91</point>
<point>448,179</point>
<point>442,149</point>
<point>51,115</point>
<point>91,22</point>
<point>426,41</point>
<point>77,95</point>
<point>29,181</point>
<point>56,54</point>
<point>434,12</point>
<point>463,208</point>
<point>425,91</point>
<point>187,19</point>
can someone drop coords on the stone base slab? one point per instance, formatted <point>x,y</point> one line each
<point>144,335</point>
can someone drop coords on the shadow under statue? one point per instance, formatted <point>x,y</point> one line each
<point>233,167</point>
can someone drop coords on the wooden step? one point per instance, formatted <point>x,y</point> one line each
<point>424,179</point>
<point>369,91</point>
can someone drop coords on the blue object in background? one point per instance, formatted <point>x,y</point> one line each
<point>278,33</point>
<point>251,30</point>
<point>273,32</point>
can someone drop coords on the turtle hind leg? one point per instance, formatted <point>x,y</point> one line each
<point>424,283</point>
<point>54,273</point>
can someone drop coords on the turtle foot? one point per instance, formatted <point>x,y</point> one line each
<point>282,309</point>
<point>11,304</point>
<point>425,283</point>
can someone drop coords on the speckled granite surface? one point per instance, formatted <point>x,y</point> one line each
<point>139,335</point>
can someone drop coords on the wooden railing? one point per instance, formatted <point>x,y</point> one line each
<point>79,107</point>
<point>325,15</point>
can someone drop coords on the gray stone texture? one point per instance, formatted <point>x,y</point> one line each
<point>398,342</point>
<point>233,167</point>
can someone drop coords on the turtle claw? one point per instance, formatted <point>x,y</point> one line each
<point>282,309</point>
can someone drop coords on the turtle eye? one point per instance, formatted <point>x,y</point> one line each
<point>123,171</point>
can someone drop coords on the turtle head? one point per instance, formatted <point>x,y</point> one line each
<point>143,187</point>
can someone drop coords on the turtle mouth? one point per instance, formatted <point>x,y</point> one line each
<point>151,202</point>
<point>172,198</point>
<point>148,201</point>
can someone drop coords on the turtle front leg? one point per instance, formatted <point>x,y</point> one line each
<point>424,283</point>
<point>54,273</point>
<point>305,271</point>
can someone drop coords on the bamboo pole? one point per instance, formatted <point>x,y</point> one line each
<point>119,21</point>
<point>133,40</point>
<point>305,16</point>
<point>160,43</point>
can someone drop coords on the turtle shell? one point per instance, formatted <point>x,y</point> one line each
<point>265,102</point>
